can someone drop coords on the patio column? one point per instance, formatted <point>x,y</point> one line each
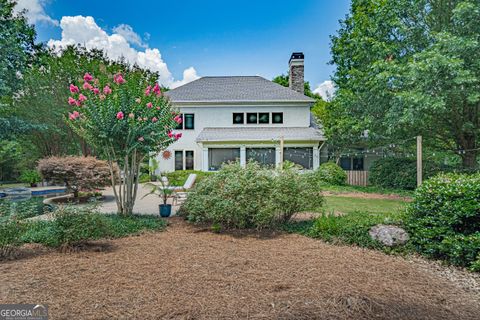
<point>243,156</point>
<point>205,159</point>
<point>277,156</point>
<point>316,158</point>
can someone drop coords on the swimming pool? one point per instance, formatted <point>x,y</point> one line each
<point>22,208</point>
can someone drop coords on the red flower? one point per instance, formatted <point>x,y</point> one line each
<point>74,89</point>
<point>72,101</point>
<point>120,115</point>
<point>118,78</point>
<point>87,77</point>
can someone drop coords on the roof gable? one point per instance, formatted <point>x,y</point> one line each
<point>235,89</point>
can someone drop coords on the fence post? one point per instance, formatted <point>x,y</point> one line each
<point>281,152</point>
<point>419,161</point>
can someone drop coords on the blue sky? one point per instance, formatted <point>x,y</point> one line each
<point>214,37</point>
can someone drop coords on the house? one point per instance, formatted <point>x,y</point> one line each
<point>243,118</point>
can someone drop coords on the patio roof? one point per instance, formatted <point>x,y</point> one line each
<point>260,134</point>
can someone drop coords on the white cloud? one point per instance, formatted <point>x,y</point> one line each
<point>34,11</point>
<point>85,31</point>
<point>326,90</point>
<point>131,36</point>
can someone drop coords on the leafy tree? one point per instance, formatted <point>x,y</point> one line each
<point>410,67</point>
<point>283,80</point>
<point>17,50</point>
<point>125,117</point>
<point>45,88</point>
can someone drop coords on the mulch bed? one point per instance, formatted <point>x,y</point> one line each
<point>189,273</point>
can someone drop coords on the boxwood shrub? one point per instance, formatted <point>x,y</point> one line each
<point>399,173</point>
<point>444,219</point>
<point>251,197</point>
<point>331,173</point>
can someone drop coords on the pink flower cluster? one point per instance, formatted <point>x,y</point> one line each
<point>87,86</point>
<point>178,119</point>
<point>74,115</point>
<point>156,90</point>
<point>118,78</point>
<point>175,136</point>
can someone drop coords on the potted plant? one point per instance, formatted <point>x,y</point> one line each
<point>30,176</point>
<point>164,192</point>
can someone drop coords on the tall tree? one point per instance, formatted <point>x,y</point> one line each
<point>411,67</point>
<point>17,48</point>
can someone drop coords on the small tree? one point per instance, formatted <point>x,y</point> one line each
<point>125,117</point>
<point>77,173</point>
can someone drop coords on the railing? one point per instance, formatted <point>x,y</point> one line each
<point>357,177</point>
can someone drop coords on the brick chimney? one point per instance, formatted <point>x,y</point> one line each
<point>296,72</point>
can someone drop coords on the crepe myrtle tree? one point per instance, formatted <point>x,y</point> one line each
<point>126,117</point>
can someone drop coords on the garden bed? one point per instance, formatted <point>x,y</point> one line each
<point>191,273</point>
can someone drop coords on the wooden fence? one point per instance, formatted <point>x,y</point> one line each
<point>357,178</point>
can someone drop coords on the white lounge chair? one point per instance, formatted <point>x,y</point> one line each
<point>180,193</point>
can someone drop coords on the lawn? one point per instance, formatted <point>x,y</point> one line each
<point>343,205</point>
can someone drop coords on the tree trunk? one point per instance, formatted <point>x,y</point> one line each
<point>469,159</point>
<point>125,190</point>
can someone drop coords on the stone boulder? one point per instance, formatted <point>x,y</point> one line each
<point>389,235</point>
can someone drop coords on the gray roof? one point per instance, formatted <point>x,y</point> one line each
<point>235,89</point>
<point>260,134</point>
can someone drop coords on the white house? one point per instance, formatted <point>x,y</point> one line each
<point>241,118</point>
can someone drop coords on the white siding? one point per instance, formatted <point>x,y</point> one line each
<point>221,117</point>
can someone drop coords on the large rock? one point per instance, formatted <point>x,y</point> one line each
<point>389,235</point>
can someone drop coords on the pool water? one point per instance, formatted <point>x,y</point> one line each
<point>22,208</point>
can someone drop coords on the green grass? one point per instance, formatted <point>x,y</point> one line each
<point>339,204</point>
<point>352,220</point>
<point>367,189</point>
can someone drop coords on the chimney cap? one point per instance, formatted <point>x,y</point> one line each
<point>297,56</point>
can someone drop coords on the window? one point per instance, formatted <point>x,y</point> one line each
<point>351,163</point>
<point>264,117</point>
<point>345,163</point>
<point>300,156</point>
<point>189,160</point>
<point>252,118</point>
<point>238,118</point>
<point>184,160</point>
<point>357,163</point>
<point>219,156</point>
<point>178,160</point>
<point>264,156</point>
<point>188,122</point>
<point>277,117</point>
<point>188,118</point>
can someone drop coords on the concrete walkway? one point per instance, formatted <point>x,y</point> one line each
<point>147,205</point>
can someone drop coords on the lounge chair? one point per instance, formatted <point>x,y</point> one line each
<point>180,193</point>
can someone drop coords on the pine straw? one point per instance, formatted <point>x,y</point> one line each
<point>187,273</point>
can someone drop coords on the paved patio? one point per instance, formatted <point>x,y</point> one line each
<point>143,205</point>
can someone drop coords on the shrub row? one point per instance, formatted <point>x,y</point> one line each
<point>251,197</point>
<point>444,219</point>
<point>400,173</point>
<point>331,173</point>
<point>73,225</point>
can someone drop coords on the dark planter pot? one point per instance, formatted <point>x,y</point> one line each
<point>33,185</point>
<point>153,178</point>
<point>165,210</point>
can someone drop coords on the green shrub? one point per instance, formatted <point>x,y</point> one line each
<point>10,233</point>
<point>120,226</point>
<point>399,173</point>
<point>331,173</point>
<point>71,226</point>
<point>251,197</point>
<point>178,178</point>
<point>351,228</point>
<point>444,219</point>
<point>30,176</point>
